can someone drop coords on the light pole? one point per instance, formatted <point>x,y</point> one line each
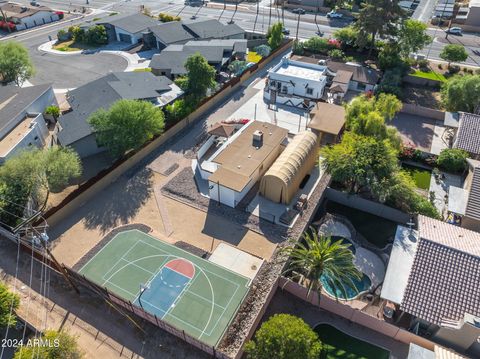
<point>298,25</point>
<point>143,288</point>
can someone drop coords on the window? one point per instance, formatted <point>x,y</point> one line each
<point>284,89</point>
<point>361,86</point>
<point>309,91</point>
<point>36,138</point>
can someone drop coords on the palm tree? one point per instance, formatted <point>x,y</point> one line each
<point>316,256</point>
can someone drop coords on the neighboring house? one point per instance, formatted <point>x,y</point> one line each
<point>73,129</point>
<point>467,135</point>
<point>241,161</point>
<point>465,201</point>
<point>327,122</point>
<point>206,29</point>
<point>169,33</point>
<point>295,83</point>
<point>22,125</point>
<point>345,76</point>
<point>126,28</point>
<point>309,5</point>
<point>26,17</point>
<point>433,279</point>
<point>170,62</point>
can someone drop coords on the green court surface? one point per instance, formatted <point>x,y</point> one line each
<point>186,291</point>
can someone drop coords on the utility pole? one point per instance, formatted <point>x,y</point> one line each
<point>298,25</point>
<point>269,14</point>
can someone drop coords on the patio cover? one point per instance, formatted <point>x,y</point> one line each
<point>400,264</point>
<point>327,118</point>
<point>457,200</point>
<point>221,130</point>
<point>451,119</point>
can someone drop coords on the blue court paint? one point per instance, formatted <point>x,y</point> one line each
<point>163,292</point>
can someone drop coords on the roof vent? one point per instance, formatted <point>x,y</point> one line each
<point>257,138</point>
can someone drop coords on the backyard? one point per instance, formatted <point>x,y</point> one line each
<point>337,344</point>
<point>430,75</point>
<point>421,176</point>
<point>380,234</point>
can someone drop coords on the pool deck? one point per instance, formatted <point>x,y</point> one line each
<point>284,302</point>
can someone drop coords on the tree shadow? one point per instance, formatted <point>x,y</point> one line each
<point>121,202</point>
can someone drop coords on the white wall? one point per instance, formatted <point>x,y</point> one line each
<point>353,85</point>
<point>40,18</point>
<point>36,136</point>
<point>227,195</point>
<point>301,86</point>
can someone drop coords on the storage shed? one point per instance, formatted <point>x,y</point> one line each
<point>283,179</point>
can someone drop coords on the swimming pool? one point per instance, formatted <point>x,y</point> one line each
<point>361,285</point>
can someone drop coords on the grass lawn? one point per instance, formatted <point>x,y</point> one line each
<point>421,176</point>
<point>146,69</point>
<point>70,45</point>
<point>253,57</point>
<point>379,234</point>
<point>337,344</point>
<point>431,75</point>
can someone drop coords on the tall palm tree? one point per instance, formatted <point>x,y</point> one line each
<point>316,256</point>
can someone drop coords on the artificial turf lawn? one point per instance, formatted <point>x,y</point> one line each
<point>336,344</point>
<point>379,234</point>
<point>431,75</point>
<point>253,57</point>
<point>421,176</point>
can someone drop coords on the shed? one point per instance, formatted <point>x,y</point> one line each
<point>283,179</point>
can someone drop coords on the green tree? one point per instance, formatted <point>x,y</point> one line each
<point>461,93</point>
<point>360,162</point>
<point>53,111</point>
<point>454,53</point>
<point>63,346</point>
<point>200,76</point>
<point>263,50</point>
<point>97,35</point>
<point>9,302</point>
<point>284,336</point>
<point>127,125</point>
<point>38,172</point>
<point>275,35</point>
<point>346,35</point>
<point>453,160</point>
<point>377,17</point>
<point>413,37</point>
<point>178,110</point>
<point>389,56</point>
<point>15,63</point>
<point>318,256</point>
<point>237,67</point>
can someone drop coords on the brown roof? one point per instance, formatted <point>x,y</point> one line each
<point>338,87</point>
<point>443,281</point>
<point>468,134</point>
<point>240,159</point>
<point>473,204</point>
<point>343,76</point>
<point>20,11</point>
<point>328,118</point>
<point>221,130</point>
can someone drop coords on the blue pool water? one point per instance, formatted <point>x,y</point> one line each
<point>344,241</point>
<point>360,286</point>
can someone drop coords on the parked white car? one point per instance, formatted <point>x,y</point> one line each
<point>454,31</point>
<point>333,14</point>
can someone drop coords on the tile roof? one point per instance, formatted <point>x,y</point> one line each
<point>473,203</point>
<point>102,93</point>
<point>468,134</point>
<point>443,282</point>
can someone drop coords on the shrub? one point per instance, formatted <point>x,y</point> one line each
<point>263,50</point>
<point>284,336</point>
<point>336,54</point>
<point>77,33</point>
<point>423,64</point>
<point>178,110</point>
<point>63,35</point>
<point>391,82</point>
<point>453,160</point>
<point>163,17</point>
<point>298,48</point>
<point>96,35</point>
<point>53,110</point>
<point>318,45</point>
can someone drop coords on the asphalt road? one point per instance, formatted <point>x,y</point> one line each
<point>83,68</point>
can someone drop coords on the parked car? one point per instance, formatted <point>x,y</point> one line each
<point>454,31</point>
<point>285,31</point>
<point>34,3</point>
<point>298,11</point>
<point>334,14</point>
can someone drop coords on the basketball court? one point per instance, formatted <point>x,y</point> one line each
<point>184,290</point>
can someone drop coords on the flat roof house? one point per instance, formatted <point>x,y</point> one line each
<point>22,125</point>
<point>170,62</point>
<point>243,159</point>
<point>433,276</point>
<point>26,17</point>
<point>73,129</point>
<point>295,83</point>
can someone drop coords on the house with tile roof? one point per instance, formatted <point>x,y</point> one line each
<point>467,136</point>
<point>433,278</point>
